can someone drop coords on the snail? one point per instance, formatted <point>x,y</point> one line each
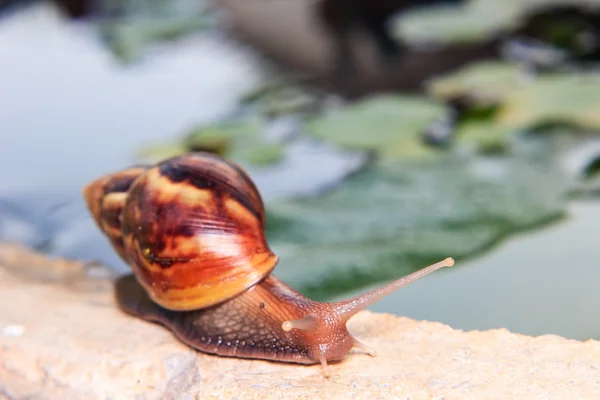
<point>191,227</point>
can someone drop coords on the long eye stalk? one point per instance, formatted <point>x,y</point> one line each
<point>346,309</point>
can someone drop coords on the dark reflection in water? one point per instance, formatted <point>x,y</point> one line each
<point>310,37</point>
<point>292,34</point>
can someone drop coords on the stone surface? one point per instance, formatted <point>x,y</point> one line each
<point>62,337</point>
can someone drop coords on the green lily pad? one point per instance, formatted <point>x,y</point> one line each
<point>160,151</point>
<point>397,217</point>
<point>240,141</point>
<point>486,137</point>
<point>483,83</point>
<point>390,125</point>
<point>261,154</point>
<point>280,97</point>
<point>472,22</point>
<point>572,99</point>
<point>550,99</point>
<point>147,22</point>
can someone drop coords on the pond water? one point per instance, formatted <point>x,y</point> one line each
<point>535,283</point>
<point>69,112</point>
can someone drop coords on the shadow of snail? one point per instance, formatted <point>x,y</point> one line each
<point>192,229</point>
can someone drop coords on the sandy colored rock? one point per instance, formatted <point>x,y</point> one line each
<point>62,337</point>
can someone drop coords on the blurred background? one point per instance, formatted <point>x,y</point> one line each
<point>384,135</point>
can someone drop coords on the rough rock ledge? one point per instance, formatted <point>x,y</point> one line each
<point>62,337</point>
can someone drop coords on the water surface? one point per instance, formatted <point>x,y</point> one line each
<point>535,283</point>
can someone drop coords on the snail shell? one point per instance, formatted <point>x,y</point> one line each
<point>191,227</point>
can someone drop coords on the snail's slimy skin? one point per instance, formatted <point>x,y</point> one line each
<point>249,325</point>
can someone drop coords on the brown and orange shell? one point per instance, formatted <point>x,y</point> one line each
<point>191,227</point>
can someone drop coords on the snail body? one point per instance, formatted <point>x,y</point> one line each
<point>192,229</point>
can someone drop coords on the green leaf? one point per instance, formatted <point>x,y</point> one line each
<point>143,23</point>
<point>258,154</point>
<point>475,20</point>
<point>472,22</point>
<point>552,99</point>
<point>240,141</point>
<point>572,99</point>
<point>391,125</point>
<point>483,83</point>
<point>486,136</point>
<point>278,96</point>
<point>396,217</point>
<point>160,151</point>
